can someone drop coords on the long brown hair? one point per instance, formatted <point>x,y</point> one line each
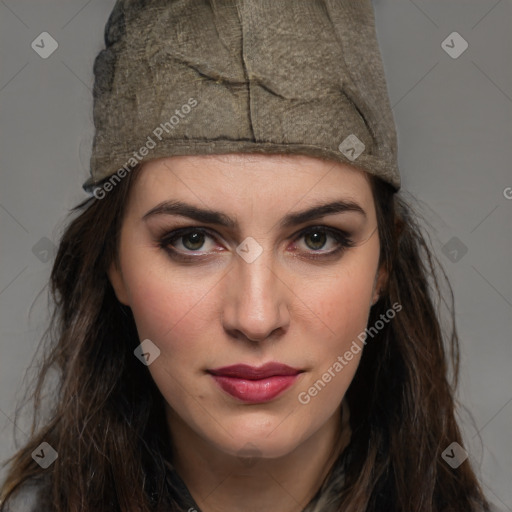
<point>106,416</point>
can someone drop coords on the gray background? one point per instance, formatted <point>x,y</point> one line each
<point>454,120</point>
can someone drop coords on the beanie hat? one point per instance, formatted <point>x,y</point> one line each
<point>188,77</point>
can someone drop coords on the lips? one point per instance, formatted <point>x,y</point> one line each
<point>244,371</point>
<point>255,384</point>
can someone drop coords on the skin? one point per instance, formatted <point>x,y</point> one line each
<point>220,310</point>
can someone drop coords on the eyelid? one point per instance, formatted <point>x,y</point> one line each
<point>175,233</point>
<point>178,233</point>
<point>342,238</point>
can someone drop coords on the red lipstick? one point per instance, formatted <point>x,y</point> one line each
<point>255,384</point>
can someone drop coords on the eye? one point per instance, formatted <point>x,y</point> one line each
<point>317,237</point>
<point>185,242</point>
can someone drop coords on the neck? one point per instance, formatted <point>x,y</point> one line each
<point>220,482</point>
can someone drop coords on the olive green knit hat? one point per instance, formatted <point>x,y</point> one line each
<point>188,77</point>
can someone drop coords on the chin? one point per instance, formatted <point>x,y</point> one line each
<point>249,448</point>
<point>267,439</point>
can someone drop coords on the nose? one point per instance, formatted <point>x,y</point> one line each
<point>256,300</point>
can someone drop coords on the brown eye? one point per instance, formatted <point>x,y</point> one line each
<point>187,240</point>
<point>317,242</point>
<point>317,238</point>
<point>193,241</point>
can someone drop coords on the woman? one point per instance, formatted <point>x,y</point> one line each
<point>245,317</point>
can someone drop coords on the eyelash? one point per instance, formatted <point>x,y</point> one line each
<point>341,237</point>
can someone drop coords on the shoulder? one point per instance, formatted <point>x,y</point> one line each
<point>29,497</point>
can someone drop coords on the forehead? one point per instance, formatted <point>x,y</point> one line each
<point>261,180</point>
<point>291,168</point>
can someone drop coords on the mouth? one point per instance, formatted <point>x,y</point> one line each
<point>252,384</point>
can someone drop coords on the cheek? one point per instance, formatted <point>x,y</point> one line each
<point>170,308</point>
<point>342,300</point>
<point>342,304</point>
<point>344,310</point>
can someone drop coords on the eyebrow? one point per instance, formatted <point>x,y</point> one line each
<point>208,216</point>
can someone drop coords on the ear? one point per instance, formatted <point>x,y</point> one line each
<point>115,277</point>
<point>379,284</point>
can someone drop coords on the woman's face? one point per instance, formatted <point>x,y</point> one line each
<point>230,260</point>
